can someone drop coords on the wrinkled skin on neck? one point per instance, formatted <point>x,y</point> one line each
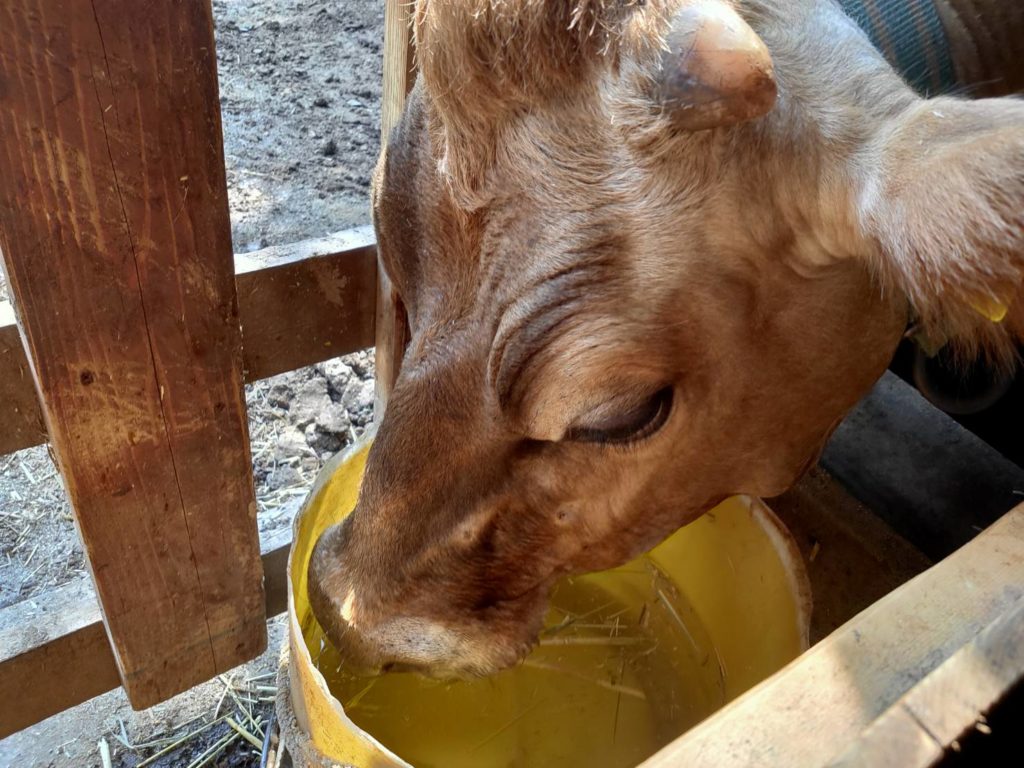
<point>600,260</point>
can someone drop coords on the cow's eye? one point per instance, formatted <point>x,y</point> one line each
<point>628,425</point>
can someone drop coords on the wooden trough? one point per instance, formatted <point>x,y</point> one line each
<point>132,332</point>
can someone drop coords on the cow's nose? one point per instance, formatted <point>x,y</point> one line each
<point>374,624</point>
<point>337,603</point>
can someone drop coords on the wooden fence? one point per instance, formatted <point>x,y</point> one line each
<point>131,333</point>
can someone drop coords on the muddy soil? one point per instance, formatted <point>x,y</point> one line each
<point>300,101</point>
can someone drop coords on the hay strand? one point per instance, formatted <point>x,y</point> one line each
<point>244,733</point>
<point>626,690</point>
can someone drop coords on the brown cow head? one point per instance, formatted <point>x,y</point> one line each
<point>647,265</point>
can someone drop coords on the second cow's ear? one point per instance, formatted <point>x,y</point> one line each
<point>943,203</point>
<point>715,70</point>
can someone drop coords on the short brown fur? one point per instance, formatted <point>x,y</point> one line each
<point>564,252</point>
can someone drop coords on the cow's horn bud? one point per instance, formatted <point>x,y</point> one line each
<point>715,71</point>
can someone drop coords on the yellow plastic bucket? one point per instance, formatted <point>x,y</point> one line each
<point>737,565</point>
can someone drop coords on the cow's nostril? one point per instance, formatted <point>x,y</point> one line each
<point>485,602</point>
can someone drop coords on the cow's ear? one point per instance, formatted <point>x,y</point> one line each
<point>943,204</point>
<point>715,70</point>
<point>482,62</point>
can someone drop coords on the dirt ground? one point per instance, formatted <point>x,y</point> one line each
<point>300,100</point>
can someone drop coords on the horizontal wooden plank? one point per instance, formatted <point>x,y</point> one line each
<point>57,675</point>
<point>961,484</point>
<point>811,711</point>
<point>55,653</point>
<point>917,730</point>
<point>298,304</point>
<point>306,302</point>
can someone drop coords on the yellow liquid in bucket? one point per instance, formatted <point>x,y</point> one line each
<point>624,666</point>
<point>630,658</point>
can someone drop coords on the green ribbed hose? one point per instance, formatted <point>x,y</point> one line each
<point>948,46</point>
<point>911,36</point>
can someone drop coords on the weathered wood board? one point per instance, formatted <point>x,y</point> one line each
<point>55,652</point>
<point>115,233</point>
<point>309,301</point>
<point>918,729</point>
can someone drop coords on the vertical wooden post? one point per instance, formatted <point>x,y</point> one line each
<point>115,232</point>
<point>399,75</point>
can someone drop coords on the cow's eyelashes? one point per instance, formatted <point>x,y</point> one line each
<point>629,425</point>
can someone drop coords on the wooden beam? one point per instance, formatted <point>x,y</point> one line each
<point>55,654</point>
<point>399,76</point>
<point>54,650</point>
<point>115,231</point>
<point>916,731</point>
<point>399,64</point>
<point>811,711</point>
<point>312,301</point>
<point>332,279</point>
<point>961,483</point>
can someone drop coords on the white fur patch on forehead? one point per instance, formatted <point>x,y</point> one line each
<point>469,528</point>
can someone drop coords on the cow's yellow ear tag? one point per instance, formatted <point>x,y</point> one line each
<point>990,308</point>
